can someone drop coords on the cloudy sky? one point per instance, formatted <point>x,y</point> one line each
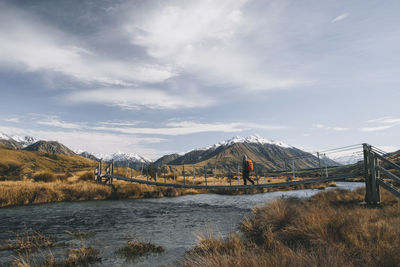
<point>155,77</point>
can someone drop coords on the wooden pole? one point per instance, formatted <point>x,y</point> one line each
<point>294,174</point>
<point>183,172</point>
<point>319,164</point>
<point>215,174</point>
<point>194,173</point>
<point>238,174</point>
<point>205,175</point>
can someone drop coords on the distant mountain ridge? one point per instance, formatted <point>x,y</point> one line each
<point>15,141</point>
<point>131,160</point>
<point>51,147</point>
<point>266,154</point>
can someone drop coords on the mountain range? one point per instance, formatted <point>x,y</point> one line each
<point>266,154</point>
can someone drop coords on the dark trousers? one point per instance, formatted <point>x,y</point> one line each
<point>246,177</point>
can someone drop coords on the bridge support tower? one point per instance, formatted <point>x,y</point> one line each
<point>372,190</point>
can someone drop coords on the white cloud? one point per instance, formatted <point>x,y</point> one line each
<point>382,124</point>
<point>191,127</point>
<point>325,127</point>
<point>340,17</point>
<point>139,98</point>
<point>54,121</point>
<point>212,40</point>
<point>31,46</point>
<point>13,119</point>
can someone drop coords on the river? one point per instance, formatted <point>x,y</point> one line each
<point>174,223</point>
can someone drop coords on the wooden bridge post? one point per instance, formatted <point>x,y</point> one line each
<point>286,170</point>
<point>294,174</point>
<point>175,173</point>
<point>319,164</point>
<point>372,190</point>
<point>165,178</point>
<point>238,173</point>
<point>112,171</point>
<point>326,166</point>
<point>194,174</point>
<point>183,172</point>
<point>205,175</point>
<point>215,174</point>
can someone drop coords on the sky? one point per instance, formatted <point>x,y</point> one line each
<point>157,77</point>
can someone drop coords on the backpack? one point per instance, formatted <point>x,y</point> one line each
<point>250,166</point>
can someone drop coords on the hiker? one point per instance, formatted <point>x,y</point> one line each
<point>247,168</point>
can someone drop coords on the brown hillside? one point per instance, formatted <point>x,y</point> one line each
<point>23,163</point>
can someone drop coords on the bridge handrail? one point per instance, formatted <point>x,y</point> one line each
<point>215,187</point>
<point>387,161</point>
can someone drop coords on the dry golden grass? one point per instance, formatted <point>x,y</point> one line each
<point>34,250</point>
<point>74,189</point>
<point>31,162</point>
<point>329,229</point>
<point>28,192</point>
<point>135,248</point>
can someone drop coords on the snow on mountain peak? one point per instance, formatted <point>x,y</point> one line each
<point>122,156</point>
<point>3,136</point>
<point>250,139</point>
<point>24,141</point>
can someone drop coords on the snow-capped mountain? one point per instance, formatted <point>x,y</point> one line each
<point>267,154</point>
<point>121,156</point>
<point>15,141</point>
<point>24,141</point>
<point>256,139</point>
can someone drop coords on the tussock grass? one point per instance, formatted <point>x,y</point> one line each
<point>34,250</point>
<point>44,177</point>
<point>135,248</point>
<point>28,192</point>
<point>329,229</point>
<point>28,241</point>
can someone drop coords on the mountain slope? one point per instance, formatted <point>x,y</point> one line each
<point>266,154</point>
<point>165,160</point>
<point>9,142</point>
<point>28,162</point>
<point>88,155</point>
<point>51,147</point>
<point>131,160</point>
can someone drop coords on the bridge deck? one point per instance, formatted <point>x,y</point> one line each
<point>230,187</point>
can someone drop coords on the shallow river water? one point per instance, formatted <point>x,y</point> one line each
<point>174,223</point>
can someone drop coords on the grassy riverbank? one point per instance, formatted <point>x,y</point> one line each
<point>75,188</point>
<point>29,192</point>
<point>329,229</point>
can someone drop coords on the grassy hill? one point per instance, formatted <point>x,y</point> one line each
<point>21,163</point>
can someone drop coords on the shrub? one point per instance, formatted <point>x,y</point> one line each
<point>135,248</point>
<point>87,176</point>
<point>10,171</point>
<point>45,177</point>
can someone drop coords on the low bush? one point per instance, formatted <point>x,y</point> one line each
<point>44,177</point>
<point>329,229</point>
<point>135,248</point>
<point>10,171</point>
<point>87,176</point>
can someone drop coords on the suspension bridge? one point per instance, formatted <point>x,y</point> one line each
<point>372,163</point>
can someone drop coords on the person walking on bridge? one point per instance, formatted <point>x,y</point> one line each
<point>247,167</point>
